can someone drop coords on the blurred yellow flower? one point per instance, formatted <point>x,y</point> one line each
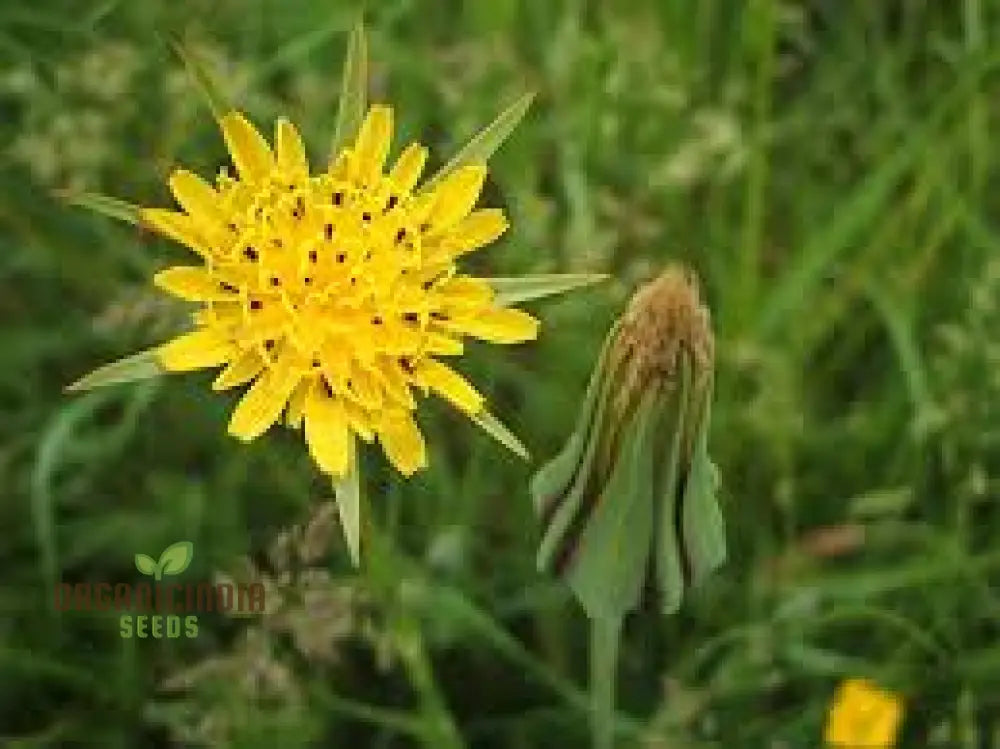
<point>863,716</point>
<point>334,293</point>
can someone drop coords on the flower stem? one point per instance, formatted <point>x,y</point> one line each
<point>604,635</point>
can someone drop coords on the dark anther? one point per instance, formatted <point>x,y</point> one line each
<point>328,389</point>
<point>393,200</point>
<point>366,216</point>
<point>300,207</point>
<point>250,254</point>
<point>268,344</point>
<point>350,382</point>
<point>435,315</point>
<point>376,320</point>
<point>275,281</point>
<point>227,286</point>
<point>400,235</point>
<point>338,198</point>
<point>341,257</point>
<point>315,363</point>
<point>313,257</point>
<point>354,281</point>
<point>427,285</point>
<point>232,227</point>
<point>256,304</point>
<point>406,364</point>
<point>328,231</point>
<point>307,280</point>
<point>277,243</point>
<point>368,254</point>
<point>424,227</point>
<point>411,317</point>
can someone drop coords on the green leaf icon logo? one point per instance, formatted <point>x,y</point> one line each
<point>145,565</point>
<point>175,558</point>
<point>173,561</point>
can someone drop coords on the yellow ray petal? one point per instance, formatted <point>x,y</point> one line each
<point>291,153</point>
<point>195,196</point>
<point>408,167</point>
<point>476,230</point>
<point>243,368</point>
<point>250,152</point>
<point>402,441</point>
<point>297,404</point>
<point>456,196</point>
<point>264,401</point>
<point>198,349</point>
<point>326,432</point>
<point>176,226</point>
<point>463,291</point>
<point>372,145</point>
<point>359,420</point>
<point>496,325</point>
<point>448,383</point>
<point>191,284</point>
<point>442,345</point>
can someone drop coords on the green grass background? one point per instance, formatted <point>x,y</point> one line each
<point>826,166</point>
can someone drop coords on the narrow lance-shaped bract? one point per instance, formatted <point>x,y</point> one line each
<point>633,491</point>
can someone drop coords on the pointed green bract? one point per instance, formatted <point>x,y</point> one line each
<point>104,205</point>
<point>704,534</point>
<point>510,291</point>
<point>485,143</point>
<point>197,70</point>
<point>496,429</point>
<point>348,493</point>
<point>668,552</point>
<point>141,366</point>
<point>353,91</point>
<point>560,486</point>
<point>609,564</point>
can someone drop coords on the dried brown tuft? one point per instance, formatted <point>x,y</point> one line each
<point>665,319</point>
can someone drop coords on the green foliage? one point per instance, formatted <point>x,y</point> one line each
<point>828,170</point>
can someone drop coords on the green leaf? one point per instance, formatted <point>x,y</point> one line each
<point>486,142</point>
<point>353,91</point>
<point>141,366</point>
<point>514,290</point>
<point>176,558</point>
<point>102,204</point>
<point>348,492</point>
<point>146,565</point>
<point>197,70</point>
<point>609,566</point>
<point>704,531</point>
<point>496,429</point>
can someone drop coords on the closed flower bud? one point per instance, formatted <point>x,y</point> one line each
<point>632,493</point>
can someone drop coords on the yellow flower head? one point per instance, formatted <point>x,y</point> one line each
<point>863,716</point>
<point>335,294</point>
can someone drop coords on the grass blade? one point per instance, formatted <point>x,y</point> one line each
<point>486,142</point>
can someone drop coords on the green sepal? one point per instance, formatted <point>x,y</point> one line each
<point>114,208</point>
<point>609,564</point>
